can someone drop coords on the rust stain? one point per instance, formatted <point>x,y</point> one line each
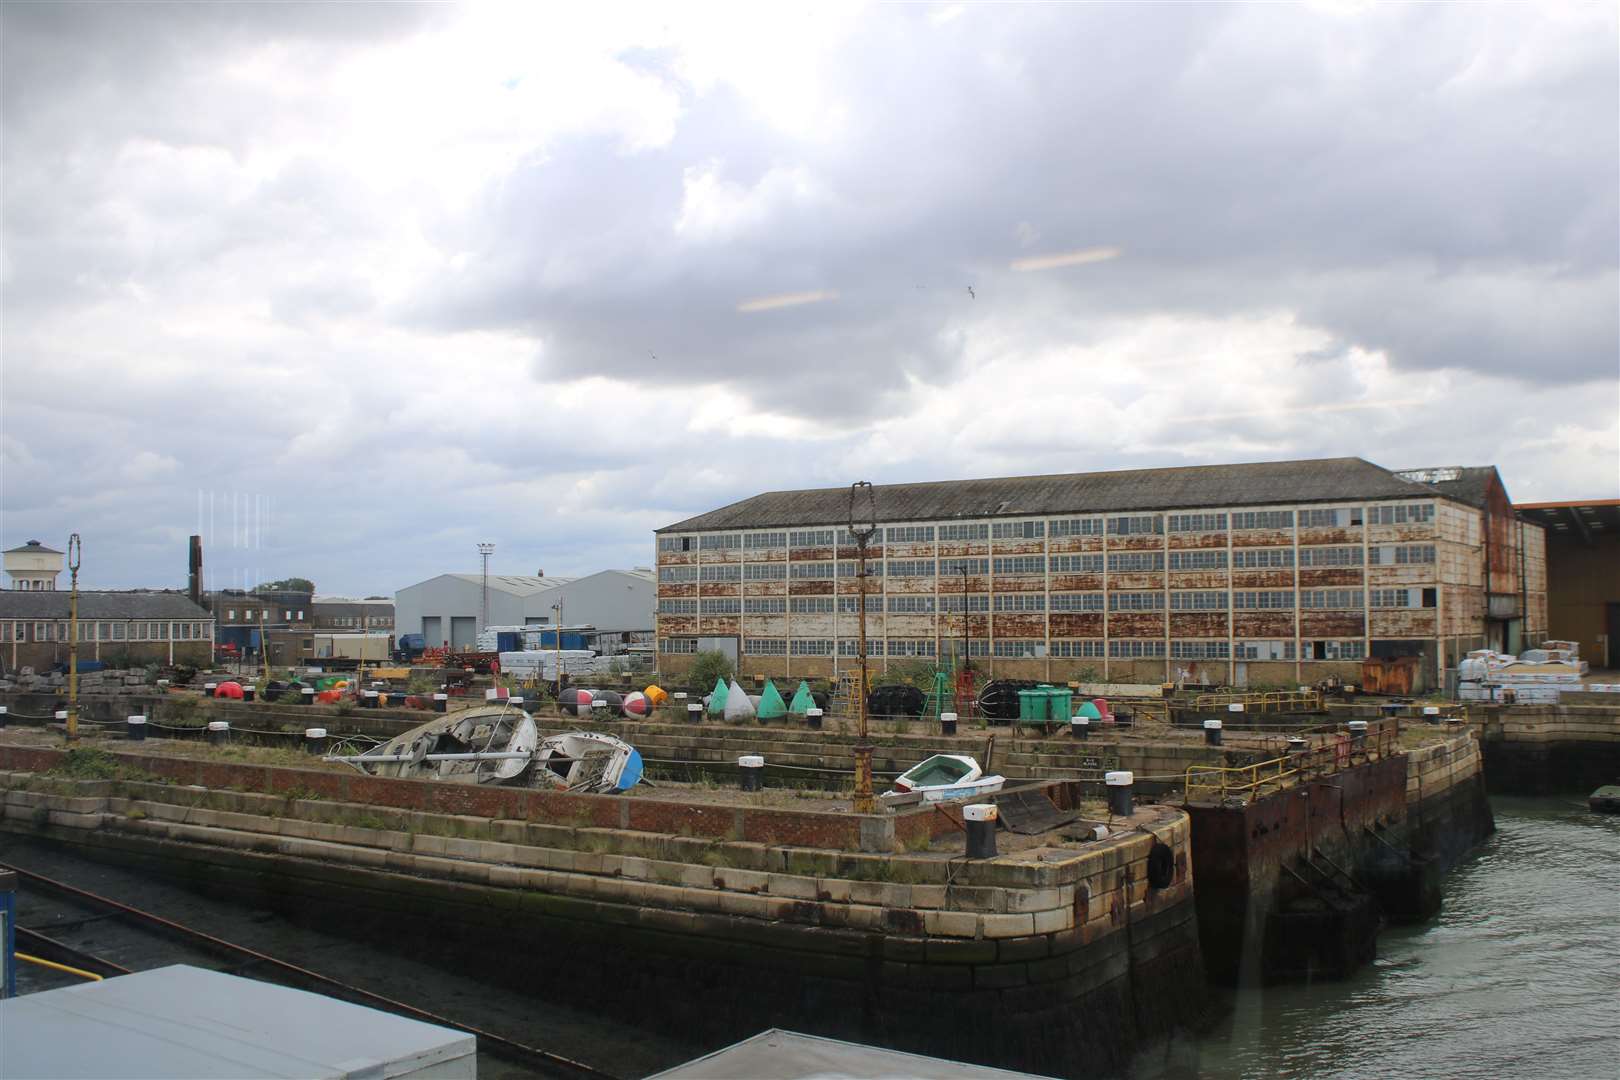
<point>1077,582</point>
<point>1017,625</point>
<point>1262,579</point>
<point>1135,543</point>
<point>1331,624</point>
<point>667,589</point>
<point>1198,624</point>
<point>713,624</point>
<point>1198,579</point>
<point>722,588</point>
<point>1263,538</point>
<point>1271,624</point>
<point>963,548</point>
<point>1019,547</point>
<point>1309,537</point>
<point>1338,576</point>
<point>677,624</point>
<point>1135,624</point>
<point>764,588</point>
<point>1019,583</point>
<point>1403,623</point>
<point>810,588</point>
<point>676,558</point>
<point>1197,540</point>
<point>811,554</point>
<point>1077,625</point>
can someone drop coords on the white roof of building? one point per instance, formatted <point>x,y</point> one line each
<point>183,1022</point>
<point>515,584</point>
<point>787,1055</point>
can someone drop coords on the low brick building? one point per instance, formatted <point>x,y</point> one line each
<point>121,629</point>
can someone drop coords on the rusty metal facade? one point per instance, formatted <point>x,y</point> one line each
<point>1242,593</point>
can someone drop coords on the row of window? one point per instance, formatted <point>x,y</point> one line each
<point>1035,649</point>
<point>1180,600</point>
<point>1117,562</point>
<point>49,630</point>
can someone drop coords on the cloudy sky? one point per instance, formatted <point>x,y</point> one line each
<point>354,287</point>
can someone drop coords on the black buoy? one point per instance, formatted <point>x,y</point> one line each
<point>980,820</point>
<point>306,695</point>
<point>441,702</point>
<point>135,729</point>
<point>368,699</point>
<point>218,732</point>
<point>751,768</point>
<point>812,719</point>
<point>1080,727</point>
<point>315,740</point>
<point>1119,793</point>
<point>947,723</point>
<point>247,691</point>
<point>1212,732</point>
<point>1358,734</point>
<point>694,712</point>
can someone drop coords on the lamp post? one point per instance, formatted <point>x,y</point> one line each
<point>557,631</point>
<point>485,550</point>
<point>73,553</point>
<point>862,526</point>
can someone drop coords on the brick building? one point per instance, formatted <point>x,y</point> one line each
<point>344,613</point>
<point>122,629</point>
<point>1260,574</point>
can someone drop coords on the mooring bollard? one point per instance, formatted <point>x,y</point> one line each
<point>1453,724</point>
<point>517,701</point>
<point>1080,727</point>
<point>812,719</point>
<point>599,709</point>
<point>368,699</point>
<point>441,702</point>
<point>248,691</point>
<point>218,731</point>
<point>1119,792</point>
<point>980,819</point>
<point>209,688</point>
<point>947,723</point>
<point>306,695</point>
<point>1212,732</point>
<point>2,716</point>
<point>315,740</point>
<point>1236,708</point>
<point>1358,734</point>
<point>1298,747</point>
<point>1431,713</point>
<point>163,686</point>
<point>1389,712</point>
<point>694,713</point>
<point>60,716</point>
<point>135,729</point>
<point>751,768</point>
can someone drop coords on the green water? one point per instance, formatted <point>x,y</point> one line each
<point>1519,976</point>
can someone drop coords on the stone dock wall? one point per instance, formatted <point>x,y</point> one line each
<point>1057,960</point>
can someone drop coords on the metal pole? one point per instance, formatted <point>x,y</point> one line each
<point>74,553</point>
<point>485,550</point>
<point>557,631</point>
<point>862,532</point>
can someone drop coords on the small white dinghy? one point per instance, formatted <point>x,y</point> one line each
<point>494,744</point>
<point>587,761</point>
<point>945,777</point>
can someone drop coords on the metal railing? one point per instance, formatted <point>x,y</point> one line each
<point>1324,754</point>
<point>1280,701</point>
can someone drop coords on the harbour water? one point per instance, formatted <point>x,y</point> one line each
<point>1519,976</point>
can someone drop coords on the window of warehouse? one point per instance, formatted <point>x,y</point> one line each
<point>765,646</point>
<point>1263,558</point>
<point>1119,649</point>
<point>811,538</point>
<point>1203,600</point>
<point>1400,515</point>
<point>1184,523</point>
<point>1335,650</point>
<point>677,645</point>
<point>1271,600</point>
<point>851,647</point>
<point>1136,601</point>
<point>675,606</point>
<point>852,568</point>
<point>1021,602</point>
<point>1336,518</point>
<point>1013,648</point>
<point>1135,562</point>
<point>674,575</point>
<point>1199,650</point>
<point>811,605</point>
<point>1018,530</point>
<point>118,631</point>
<point>1136,524</point>
<point>1077,601</point>
<point>1078,650</point>
<point>910,568</point>
<point>720,605</point>
<point>721,573</point>
<point>1330,599</point>
<point>1075,527</point>
<point>1021,564</point>
<point>1401,554</point>
<point>909,534</point>
<point>721,542</point>
<point>873,604</point>
<point>765,605</point>
<point>979,531</point>
<point>811,647</point>
<point>1076,564</point>
<point>675,543</point>
<point>1392,598</point>
<point>958,567</point>
<point>1198,560</point>
<point>911,605</point>
<point>1263,519</point>
<point>764,540</point>
<point>773,571</point>
<point>1265,650</point>
<point>803,570</point>
<point>957,603</point>
<point>911,647</point>
<point>1330,556</point>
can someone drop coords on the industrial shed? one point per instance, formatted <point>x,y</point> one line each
<point>119,628</point>
<point>448,609</point>
<point>1270,573</point>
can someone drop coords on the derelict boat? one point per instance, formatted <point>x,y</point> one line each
<point>491,744</point>
<point>945,777</point>
<point>587,761</point>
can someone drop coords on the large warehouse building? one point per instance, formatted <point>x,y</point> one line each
<point>448,609</point>
<point>1253,575</point>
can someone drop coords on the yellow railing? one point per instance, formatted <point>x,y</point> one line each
<point>1281,701</point>
<point>1217,782</point>
<point>1326,753</point>
<point>54,966</point>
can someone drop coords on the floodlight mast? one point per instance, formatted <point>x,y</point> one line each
<point>862,527</point>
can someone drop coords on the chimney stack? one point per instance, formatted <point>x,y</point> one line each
<point>194,582</point>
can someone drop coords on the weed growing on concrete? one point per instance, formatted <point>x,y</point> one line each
<point>88,763</point>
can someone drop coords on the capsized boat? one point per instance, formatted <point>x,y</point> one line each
<point>1605,800</point>
<point>945,777</point>
<point>587,761</point>
<point>491,744</point>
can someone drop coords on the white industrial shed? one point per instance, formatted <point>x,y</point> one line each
<point>448,608</point>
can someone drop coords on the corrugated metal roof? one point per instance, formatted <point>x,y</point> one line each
<point>515,584</point>
<point>1469,484</point>
<point>1189,487</point>
<point>49,604</point>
